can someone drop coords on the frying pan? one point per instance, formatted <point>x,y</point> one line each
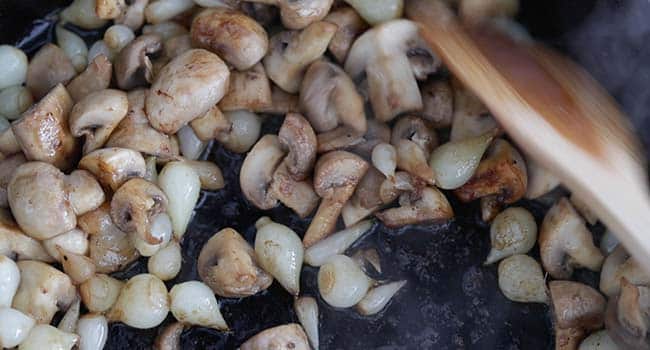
<point>450,301</point>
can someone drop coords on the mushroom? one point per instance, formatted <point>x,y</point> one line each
<point>299,14</point>
<point>297,195</point>
<point>43,291</point>
<point>227,264</point>
<point>332,105</point>
<point>377,133</point>
<point>14,241</point>
<point>133,16</point>
<point>366,198</point>
<point>437,102</point>
<point>291,52</point>
<point>169,337</point>
<point>186,89</point>
<point>37,189</point>
<point>135,132</point>
<point>282,102</point>
<point>565,242</point>
<point>412,159</point>
<point>540,180</point>
<point>417,207</point>
<point>521,279</point>
<point>297,137</point>
<point>378,11</point>
<point>391,188</point>
<point>109,9</point>
<point>8,143</point>
<point>7,168</point>
<point>350,25</point>
<point>132,64</point>
<point>116,37</point>
<point>257,172</point>
<point>212,124</point>
<point>250,90</point>
<point>135,206</point>
<point>417,130</point>
<point>490,208</point>
<point>43,133</point>
<point>620,265</point>
<point>628,315</point>
<point>96,77</point>
<point>577,309</point>
<point>96,116</point>
<point>49,67</point>
<point>176,45</point>
<point>337,174</point>
<point>384,158</point>
<point>502,172</point>
<point>583,208</point>
<point>383,53</point>
<point>84,192</point>
<point>68,322</point>
<point>599,340</point>
<point>114,166</point>
<point>235,37</point>
<point>286,337</point>
<point>471,117</point>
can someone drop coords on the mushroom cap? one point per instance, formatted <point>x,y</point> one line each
<point>437,103</point>
<point>235,37</point>
<point>49,67</point>
<point>250,90</point>
<point>96,77</point>
<point>297,137</point>
<point>132,66</point>
<point>43,133</point>
<point>185,89</point>
<point>350,25</point>
<point>113,166</point>
<point>565,242</point>
<point>337,170</point>
<point>620,265</point>
<point>426,205</point>
<point>626,318</point>
<point>299,14</point>
<point>297,195</point>
<point>286,337</point>
<point>37,190</point>
<point>417,130</point>
<point>227,264</point>
<point>576,305</point>
<point>257,171</point>
<point>84,191</point>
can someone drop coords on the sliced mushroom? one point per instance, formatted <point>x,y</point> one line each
<point>426,205</point>
<point>578,309</point>
<point>412,159</point>
<point>257,171</point>
<point>540,180</point>
<point>37,190</point>
<point>7,168</point>
<point>132,64</point>
<point>232,35</point>
<point>48,68</point>
<point>282,102</point>
<point>14,241</point>
<point>209,174</point>
<point>84,192</point>
<point>96,115</point>
<point>383,54</point>
<point>176,45</point>
<point>565,242</point>
<point>43,133</point>
<point>250,90</point>
<point>599,340</point>
<point>291,52</point>
<point>628,315</point>
<point>350,25</point>
<point>618,265</point>
<point>502,173</point>
<point>416,130</point>
<point>300,14</point>
<point>169,337</point>
<point>211,124</point>
<point>297,137</point>
<point>297,195</point>
<point>287,337</point>
<point>336,176</point>
<point>227,264</point>
<point>471,117</point>
<point>438,103</point>
<point>377,133</point>
<point>43,291</point>
<point>186,89</point>
<point>96,77</point>
<point>114,166</point>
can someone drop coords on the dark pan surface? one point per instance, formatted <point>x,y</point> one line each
<point>450,301</point>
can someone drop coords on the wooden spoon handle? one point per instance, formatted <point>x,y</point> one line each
<point>556,112</point>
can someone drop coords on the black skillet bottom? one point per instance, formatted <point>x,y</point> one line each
<point>450,301</point>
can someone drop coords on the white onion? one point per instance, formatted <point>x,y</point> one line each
<point>13,66</point>
<point>166,263</point>
<point>161,228</point>
<point>307,311</point>
<point>182,185</point>
<point>78,267</point>
<point>14,327</point>
<point>74,241</point>
<point>455,162</point>
<point>341,282</point>
<point>513,231</point>
<point>598,341</point>
<point>245,130</point>
<point>99,48</point>
<point>93,332</point>
<point>143,302</point>
<point>9,280</point>
<point>608,242</point>
<point>377,11</point>
<point>100,292</point>
<point>163,10</point>
<point>194,303</point>
<point>279,252</point>
<point>378,297</point>
<point>14,100</point>
<point>337,243</point>
<point>69,321</point>
<point>117,37</point>
<point>209,174</point>
<point>521,279</point>
<point>74,47</point>
<point>384,158</point>
<point>82,13</point>
<point>166,30</point>
<point>191,146</point>
<point>47,337</point>
<point>353,212</point>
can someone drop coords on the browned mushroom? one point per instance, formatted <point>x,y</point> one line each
<point>96,77</point>
<point>426,205</point>
<point>109,9</point>
<point>297,195</point>
<point>577,309</point>
<point>14,241</point>
<point>298,139</point>
<point>366,198</point>
<point>114,166</point>
<point>628,315</point>
<point>287,337</point>
<point>235,37</point>
<point>212,124</point>
<point>84,191</point>
<point>471,117</point>
<point>250,90</point>
<point>350,25</point>
<point>228,265</point>
<point>337,174</point>
<point>132,65</point>
<point>170,337</point>
<point>48,68</point>
<point>133,16</point>
<point>437,103</point>
<point>416,130</point>
<point>377,133</point>
<point>257,172</point>
<point>7,168</point>
<point>300,14</point>
<point>282,102</point>
<point>43,132</point>
<point>620,265</point>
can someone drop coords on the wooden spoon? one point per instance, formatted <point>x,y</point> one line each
<point>556,112</point>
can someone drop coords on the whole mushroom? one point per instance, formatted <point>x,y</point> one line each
<point>114,166</point>
<point>132,66</point>
<point>96,77</point>
<point>287,337</point>
<point>48,68</point>
<point>350,25</point>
